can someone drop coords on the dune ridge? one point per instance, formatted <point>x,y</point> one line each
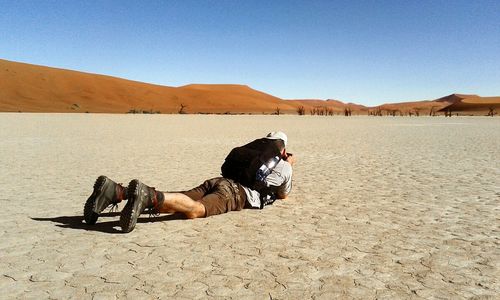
<point>474,105</point>
<point>33,88</point>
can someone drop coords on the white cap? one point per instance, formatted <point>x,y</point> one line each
<point>275,135</point>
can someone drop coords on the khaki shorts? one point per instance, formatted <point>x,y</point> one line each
<point>218,195</point>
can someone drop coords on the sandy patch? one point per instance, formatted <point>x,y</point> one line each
<point>378,210</point>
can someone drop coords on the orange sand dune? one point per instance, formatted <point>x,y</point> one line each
<point>474,106</point>
<point>335,105</point>
<point>458,103</point>
<point>31,88</point>
<point>415,107</point>
<point>455,98</point>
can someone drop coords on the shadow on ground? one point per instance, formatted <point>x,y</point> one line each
<point>77,222</point>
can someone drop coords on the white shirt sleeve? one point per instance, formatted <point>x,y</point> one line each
<point>281,176</point>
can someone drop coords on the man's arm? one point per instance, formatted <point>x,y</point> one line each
<point>281,195</point>
<point>290,158</point>
<point>286,186</point>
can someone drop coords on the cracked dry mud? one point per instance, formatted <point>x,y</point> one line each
<point>381,208</point>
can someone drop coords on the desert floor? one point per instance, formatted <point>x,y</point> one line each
<point>388,207</point>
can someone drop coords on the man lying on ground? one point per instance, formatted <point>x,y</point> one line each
<point>254,175</point>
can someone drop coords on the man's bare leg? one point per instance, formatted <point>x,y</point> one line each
<point>178,202</point>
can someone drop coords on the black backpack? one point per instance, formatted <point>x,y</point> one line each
<point>243,163</point>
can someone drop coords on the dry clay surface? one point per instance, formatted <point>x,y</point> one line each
<point>382,208</point>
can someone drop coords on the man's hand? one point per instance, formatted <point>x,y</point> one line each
<point>291,159</point>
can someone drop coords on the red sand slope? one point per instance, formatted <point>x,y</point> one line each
<point>458,103</point>
<point>474,105</point>
<point>32,88</point>
<point>416,107</point>
<point>336,106</point>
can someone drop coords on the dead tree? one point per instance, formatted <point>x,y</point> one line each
<point>432,113</point>
<point>491,111</point>
<point>301,110</point>
<point>347,112</point>
<point>319,110</point>
<point>277,111</point>
<point>181,110</point>
<point>324,109</point>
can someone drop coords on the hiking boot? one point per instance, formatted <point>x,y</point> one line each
<point>140,197</point>
<point>106,192</point>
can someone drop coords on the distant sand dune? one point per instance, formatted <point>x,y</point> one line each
<point>475,105</point>
<point>39,89</point>
<point>32,88</point>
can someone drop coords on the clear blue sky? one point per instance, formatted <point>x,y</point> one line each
<point>368,52</point>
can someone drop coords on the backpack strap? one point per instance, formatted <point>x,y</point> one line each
<point>267,195</point>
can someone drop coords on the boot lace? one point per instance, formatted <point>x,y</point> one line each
<point>153,212</point>
<point>113,208</point>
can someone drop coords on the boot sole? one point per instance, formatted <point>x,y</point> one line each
<point>89,214</point>
<point>132,210</point>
